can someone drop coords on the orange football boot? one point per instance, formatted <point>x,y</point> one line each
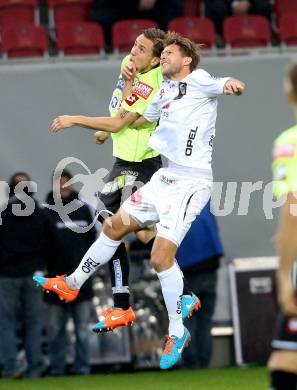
<point>114,318</point>
<point>58,286</point>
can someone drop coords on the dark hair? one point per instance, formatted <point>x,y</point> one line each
<point>63,173</point>
<point>156,36</point>
<point>292,75</point>
<point>13,181</point>
<point>186,46</point>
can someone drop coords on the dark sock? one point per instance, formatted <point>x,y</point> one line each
<point>119,273</point>
<point>282,380</point>
<point>187,290</point>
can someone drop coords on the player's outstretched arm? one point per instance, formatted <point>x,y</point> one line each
<point>286,246</point>
<point>109,124</point>
<point>234,87</point>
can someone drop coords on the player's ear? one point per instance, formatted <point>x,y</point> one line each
<point>155,61</point>
<point>187,61</point>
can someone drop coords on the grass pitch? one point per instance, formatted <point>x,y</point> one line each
<point>255,378</point>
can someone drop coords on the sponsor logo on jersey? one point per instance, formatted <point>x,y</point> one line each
<point>191,137</point>
<point>283,151</point>
<point>131,99</point>
<point>120,83</point>
<point>114,102</point>
<point>143,90</point>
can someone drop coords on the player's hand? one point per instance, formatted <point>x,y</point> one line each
<point>61,122</point>
<point>101,137</point>
<point>287,298</point>
<point>129,71</point>
<point>234,87</point>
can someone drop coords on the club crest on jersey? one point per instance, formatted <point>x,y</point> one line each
<point>130,100</point>
<point>161,93</point>
<point>182,90</point>
<point>143,90</point>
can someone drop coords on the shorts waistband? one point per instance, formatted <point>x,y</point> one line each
<point>189,171</point>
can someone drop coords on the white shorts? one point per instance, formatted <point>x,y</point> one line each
<point>171,200</point>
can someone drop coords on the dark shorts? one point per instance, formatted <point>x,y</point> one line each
<point>125,178</point>
<point>285,337</point>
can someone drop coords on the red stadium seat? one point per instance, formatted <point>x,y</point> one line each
<point>288,29</point>
<point>80,38</point>
<point>24,41</point>
<point>247,31</point>
<point>282,7</point>
<point>14,12</point>
<point>61,11</point>
<point>192,7</point>
<point>125,32</point>
<point>199,30</point>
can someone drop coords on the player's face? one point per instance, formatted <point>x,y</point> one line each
<point>172,61</point>
<point>142,54</point>
<point>59,188</point>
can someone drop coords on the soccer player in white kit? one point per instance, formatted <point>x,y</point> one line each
<point>186,107</point>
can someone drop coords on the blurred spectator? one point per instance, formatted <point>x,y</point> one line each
<point>26,239</point>
<point>106,12</point>
<point>73,245</point>
<point>254,7</point>
<point>219,10</point>
<point>198,257</point>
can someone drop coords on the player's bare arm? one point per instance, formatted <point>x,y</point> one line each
<point>234,87</point>
<point>108,124</point>
<point>286,246</point>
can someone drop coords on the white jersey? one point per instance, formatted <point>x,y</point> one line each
<point>187,110</point>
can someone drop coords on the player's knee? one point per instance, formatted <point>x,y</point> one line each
<point>281,380</point>
<point>159,261</point>
<point>155,262</point>
<point>113,229</point>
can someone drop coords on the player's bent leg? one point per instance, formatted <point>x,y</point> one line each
<point>98,254</point>
<point>283,370</point>
<point>281,360</point>
<point>117,226</point>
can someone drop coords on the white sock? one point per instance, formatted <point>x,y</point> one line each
<point>172,288</point>
<point>96,256</point>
